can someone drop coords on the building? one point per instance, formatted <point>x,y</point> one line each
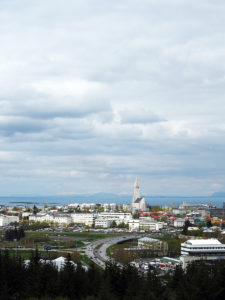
<point>41,217</point>
<point>134,224</point>
<point>145,223</point>
<point>216,212</point>
<point>102,223</point>
<point>138,203</point>
<point>179,223</point>
<point>153,244</point>
<point>149,224</point>
<point>86,219</point>
<point>201,249</point>
<point>6,220</point>
<point>118,217</point>
<point>192,207</point>
<point>63,219</point>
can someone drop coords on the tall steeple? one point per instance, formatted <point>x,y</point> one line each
<point>136,192</point>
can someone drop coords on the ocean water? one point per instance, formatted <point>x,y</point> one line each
<point>108,198</point>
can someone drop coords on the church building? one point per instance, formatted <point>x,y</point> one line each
<point>138,203</point>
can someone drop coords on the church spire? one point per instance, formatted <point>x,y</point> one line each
<point>136,184</point>
<point>136,192</point>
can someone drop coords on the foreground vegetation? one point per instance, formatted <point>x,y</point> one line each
<point>44,281</point>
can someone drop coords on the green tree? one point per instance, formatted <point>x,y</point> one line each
<point>209,223</point>
<point>113,225</point>
<point>185,227</point>
<point>35,210</point>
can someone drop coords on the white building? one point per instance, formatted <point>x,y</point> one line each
<point>103,223</point>
<point>138,203</point>
<point>201,249</point>
<point>41,217</point>
<point>26,214</point>
<point>87,219</point>
<point>73,205</point>
<point>62,219</point>
<point>153,244</point>
<point>6,220</point>
<point>145,223</point>
<point>134,224</point>
<point>51,218</point>
<point>115,216</point>
<point>179,223</point>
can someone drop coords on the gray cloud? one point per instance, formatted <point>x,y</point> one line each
<point>93,93</point>
<point>139,116</point>
<point>10,125</point>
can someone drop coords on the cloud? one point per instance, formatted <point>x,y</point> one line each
<point>10,125</point>
<point>93,93</point>
<point>139,116</point>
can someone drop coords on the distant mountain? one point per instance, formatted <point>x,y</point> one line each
<point>218,194</point>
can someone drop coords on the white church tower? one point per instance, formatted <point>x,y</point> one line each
<point>138,203</point>
<point>136,192</point>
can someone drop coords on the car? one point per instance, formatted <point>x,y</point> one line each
<point>47,247</point>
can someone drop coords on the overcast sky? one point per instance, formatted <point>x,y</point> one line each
<point>95,92</point>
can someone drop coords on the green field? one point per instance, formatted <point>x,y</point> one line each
<point>87,235</point>
<point>26,254</point>
<point>110,250</point>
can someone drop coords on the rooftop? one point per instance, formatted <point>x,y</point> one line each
<point>147,239</point>
<point>204,242</point>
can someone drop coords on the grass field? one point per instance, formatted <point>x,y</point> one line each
<point>87,235</point>
<point>26,254</point>
<point>110,250</point>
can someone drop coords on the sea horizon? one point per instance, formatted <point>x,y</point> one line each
<point>109,198</point>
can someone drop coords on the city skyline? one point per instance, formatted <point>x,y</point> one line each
<point>93,94</point>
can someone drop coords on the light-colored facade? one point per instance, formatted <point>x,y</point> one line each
<point>6,220</point>
<point>51,218</point>
<point>153,244</point>
<point>102,223</point>
<point>115,216</point>
<point>144,223</point>
<point>138,203</point>
<point>147,223</point>
<point>26,214</point>
<point>62,219</point>
<point>134,224</point>
<point>201,249</point>
<point>86,219</point>
<point>179,223</point>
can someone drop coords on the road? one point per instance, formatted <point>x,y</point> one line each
<point>96,251</point>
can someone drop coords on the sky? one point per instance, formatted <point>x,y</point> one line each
<point>95,92</point>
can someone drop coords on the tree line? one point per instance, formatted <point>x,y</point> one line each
<point>16,233</point>
<point>44,281</point>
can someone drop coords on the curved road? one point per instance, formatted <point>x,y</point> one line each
<point>96,251</point>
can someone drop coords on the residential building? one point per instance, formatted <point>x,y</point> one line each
<point>86,219</point>
<point>145,223</point>
<point>179,223</point>
<point>6,220</point>
<point>153,244</point>
<point>102,223</point>
<point>51,218</point>
<point>150,224</point>
<point>134,224</point>
<point>118,217</point>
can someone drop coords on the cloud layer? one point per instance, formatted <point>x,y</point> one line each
<point>93,93</point>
